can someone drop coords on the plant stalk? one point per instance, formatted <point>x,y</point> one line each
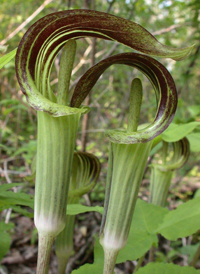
<point>44,252</point>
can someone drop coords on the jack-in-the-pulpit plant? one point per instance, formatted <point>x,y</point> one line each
<point>129,150</point>
<point>161,174</point>
<point>57,118</point>
<point>85,173</point>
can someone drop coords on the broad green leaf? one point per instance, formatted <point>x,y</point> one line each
<point>181,222</point>
<point>158,268</point>
<point>194,139</point>
<point>147,217</point>
<point>6,58</point>
<point>73,209</point>
<point>176,132</point>
<point>139,242</point>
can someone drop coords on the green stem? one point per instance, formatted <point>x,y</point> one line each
<point>66,66</point>
<point>196,257</point>
<point>44,252</point>
<point>139,263</point>
<point>110,256</point>
<point>135,105</point>
<point>151,254</point>
<point>64,244</point>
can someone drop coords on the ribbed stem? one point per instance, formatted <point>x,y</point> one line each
<point>127,168</point>
<point>44,252</point>
<point>159,185</point>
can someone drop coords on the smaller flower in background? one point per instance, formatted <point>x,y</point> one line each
<point>85,173</point>
<point>161,174</point>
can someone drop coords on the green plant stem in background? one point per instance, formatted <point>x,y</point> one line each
<point>65,244</point>
<point>159,186</point>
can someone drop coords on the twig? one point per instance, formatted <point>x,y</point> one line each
<point>29,19</point>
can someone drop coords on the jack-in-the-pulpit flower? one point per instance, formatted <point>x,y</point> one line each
<point>129,150</point>
<point>161,174</point>
<point>85,172</point>
<point>57,119</point>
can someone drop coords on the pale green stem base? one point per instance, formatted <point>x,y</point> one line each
<point>44,252</point>
<point>62,264</point>
<point>110,257</point>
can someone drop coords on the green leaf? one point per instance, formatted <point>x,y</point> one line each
<point>176,132</point>
<point>73,209</point>
<point>5,227</point>
<point>194,139</point>
<point>11,198</point>
<point>6,58</point>
<point>158,268</point>
<point>5,187</point>
<point>147,217</point>
<point>22,211</point>
<point>139,242</point>
<point>181,222</point>
<point>5,238</point>
<point>5,241</point>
